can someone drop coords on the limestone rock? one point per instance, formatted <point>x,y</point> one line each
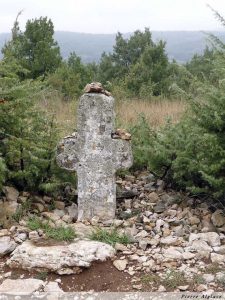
<point>143,243</point>
<point>82,230</point>
<point>160,207</point>
<point>153,197</point>
<point>4,232</point>
<point>53,287</point>
<point>220,276</point>
<point>194,220</point>
<point>11,193</point>
<point>96,87</point>
<point>57,257</point>
<point>201,288</point>
<point>183,287</point>
<point>7,209</point>
<point>199,245</point>
<point>159,224</point>
<point>188,255</point>
<point>173,253</point>
<point>208,278</point>
<point>21,286</point>
<point>161,289</point>
<point>169,240</point>
<point>59,204</point>
<point>218,218</point>
<point>59,212</point>
<point>142,234</point>
<point>120,264</point>
<point>121,134</point>
<point>153,242</point>
<point>203,255</point>
<point>33,235</point>
<point>39,206</point>
<point>217,258</point>
<point>72,211</point>
<point>67,219</point>
<point>212,238</point>
<point>20,237</point>
<point>220,250</point>
<point>50,216</point>
<point>120,247</point>
<point>6,245</point>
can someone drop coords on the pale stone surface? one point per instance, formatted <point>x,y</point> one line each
<point>4,232</point>
<point>11,193</point>
<point>96,156</point>
<point>58,257</point>
<point>59,204</point>
<point>173,253</point>
<point>220,250</point>
<point>6,245</point>
<point>7,209</point>
<point>217,258</point>
<point>82,230</point>
<point>52,287</point>
<point>120,247</point>
<point>120,264</point>
<point>199,245</point>
<point>183,287</point>
<point>212,238</point>
<point>169,240</point>
<point>153,197</point>
<point>208,278</point>
<point>218,218</point>
<point>188,255</point>
<point>51,216</point>
<point>21,286</point>
<point>72,211</point>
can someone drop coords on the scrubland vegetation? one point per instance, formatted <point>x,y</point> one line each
<point>176,113</point>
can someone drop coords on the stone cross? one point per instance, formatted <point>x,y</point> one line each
<point>96,156</point>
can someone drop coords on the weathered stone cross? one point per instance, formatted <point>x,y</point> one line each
<point>96,156</point>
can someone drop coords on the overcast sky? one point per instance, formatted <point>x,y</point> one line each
<point>110,16</point>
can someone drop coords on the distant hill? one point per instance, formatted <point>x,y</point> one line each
<point>181,45</point>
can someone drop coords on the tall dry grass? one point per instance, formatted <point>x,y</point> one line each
<point>63,111</point>
<point>156,112</point>
<point>127,111</point>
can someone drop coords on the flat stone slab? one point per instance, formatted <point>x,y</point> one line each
<point>21,286</point>
<point>61,259</point>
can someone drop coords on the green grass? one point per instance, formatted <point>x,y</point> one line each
<point>173,279</point>
<point>22,211</point>
<point>109,236</point>
<point>150,279</point>
<point>213,268</point>
<point>198,279</point>
<point>59,233</point>
<point>42,275</point>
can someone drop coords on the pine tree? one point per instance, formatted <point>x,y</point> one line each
<point>28,135</point>
<point>35,48</point>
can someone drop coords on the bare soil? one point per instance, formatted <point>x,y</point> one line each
<point>101,276</point>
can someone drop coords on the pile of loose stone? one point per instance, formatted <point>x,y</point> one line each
<point>169,231</point>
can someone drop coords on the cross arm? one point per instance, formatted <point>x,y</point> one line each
<point>67,152</point>
<point>123,153</point>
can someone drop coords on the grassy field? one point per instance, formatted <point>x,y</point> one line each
<point>156,111</point>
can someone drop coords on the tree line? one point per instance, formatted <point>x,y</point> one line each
<point>190,155</point>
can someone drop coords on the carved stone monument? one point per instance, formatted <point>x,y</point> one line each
<point>96,153</point>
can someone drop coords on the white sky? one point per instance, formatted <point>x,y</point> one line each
<point>110,16</point>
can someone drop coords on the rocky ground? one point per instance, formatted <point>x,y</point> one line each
<point>177,243</point>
